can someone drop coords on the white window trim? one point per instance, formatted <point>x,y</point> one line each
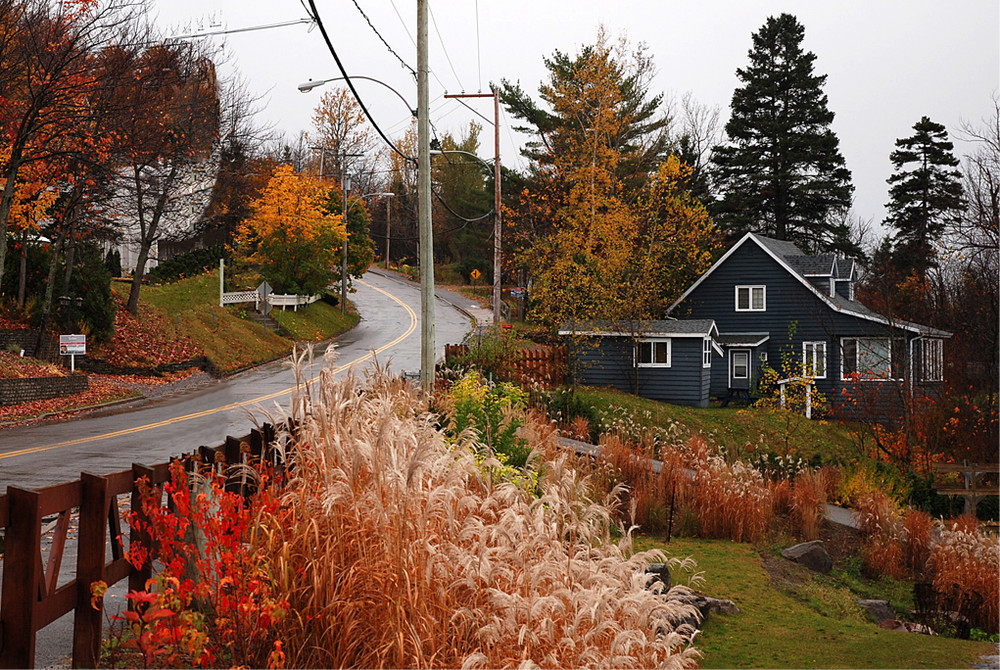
<point>750,288</point>
<point>888,378</point>
<point>670,352</point>
<point>706,352</point>
<point>937,365</point>
<point>814,344</point>
<point>732,353</point>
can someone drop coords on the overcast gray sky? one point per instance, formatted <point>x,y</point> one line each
<point>888,62</point>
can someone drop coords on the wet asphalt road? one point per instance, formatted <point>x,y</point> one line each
<point>151,432</point>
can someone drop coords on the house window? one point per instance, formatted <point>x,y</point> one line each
<point>706,352</point>
<point>814,359</point>
<point>866,357</point>
<point>653,353</point>
<point>751,298</point>
<point>932,357</point>
<point>741,365</point>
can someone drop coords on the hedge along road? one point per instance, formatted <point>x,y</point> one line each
<point>152,432</point>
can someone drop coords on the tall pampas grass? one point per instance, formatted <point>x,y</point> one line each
<point>394,549</point>
<point>966,567</point>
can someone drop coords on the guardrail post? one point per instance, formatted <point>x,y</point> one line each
<point>21,579</point>
<point>87,621</point>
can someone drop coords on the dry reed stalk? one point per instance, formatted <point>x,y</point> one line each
<point>579,428</point>
<point>917,527</point>
<point>879,519</point>
<point>830,478</point>
<point>808,503</point>
<point>730,501</point>
<point>966,568</point>
<point>781,496</point>
<point>395,550</point>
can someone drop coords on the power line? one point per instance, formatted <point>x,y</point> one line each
<point>391,50</point>
<point>445,49</point>
<point>350,84</point>
<point>479,51</point>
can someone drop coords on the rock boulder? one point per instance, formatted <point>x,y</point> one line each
<point>813,555</point>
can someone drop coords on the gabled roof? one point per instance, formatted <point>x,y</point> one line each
<point>788,256</point>
<point>657,328</point>
<point>823,265</point>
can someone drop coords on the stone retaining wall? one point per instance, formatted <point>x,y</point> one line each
<point>27,389</point>
<point>27,339</point>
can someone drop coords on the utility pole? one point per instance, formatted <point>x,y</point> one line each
<point>345,182</point>
<point>388,226</point>
<point>424,206</point>
<point>496,195</point>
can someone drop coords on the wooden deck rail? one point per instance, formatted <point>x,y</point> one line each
<point>30,597</point>
<point>974,485</point>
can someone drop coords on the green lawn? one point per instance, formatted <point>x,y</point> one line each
<point>191,307</point>
<point>736,427</point>
<point>815,626</point>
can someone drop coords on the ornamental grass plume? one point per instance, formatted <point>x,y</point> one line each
<point>730,500</point>
<point>394,549</point>
<point>879,520</point>
<point>966,567</point>
<point>808,503</point>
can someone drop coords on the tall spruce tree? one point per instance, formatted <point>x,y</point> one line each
<point>781,173</point>
<point>925,195</point>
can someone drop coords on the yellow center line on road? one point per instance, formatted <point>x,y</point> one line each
<point>235,405</point>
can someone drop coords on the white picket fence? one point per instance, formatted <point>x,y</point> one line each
<point>282,300</point>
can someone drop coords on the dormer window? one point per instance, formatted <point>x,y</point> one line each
<point>751,298</point>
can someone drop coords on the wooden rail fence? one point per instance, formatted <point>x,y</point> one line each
<point>541,365</point>
<point>30,595</point>
<point>978,480</point>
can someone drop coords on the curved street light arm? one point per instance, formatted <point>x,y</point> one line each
<point>310,85</point>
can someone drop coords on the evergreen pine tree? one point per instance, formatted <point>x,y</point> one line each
<point>925,195</point>
<point>781,172</point>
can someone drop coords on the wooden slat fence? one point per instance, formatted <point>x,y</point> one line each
<point>539,365</point>
<point>30,597</point>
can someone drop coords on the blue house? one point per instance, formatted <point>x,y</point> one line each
<point>769,299</point>
<point>670,360</point>
<point>764,299</point>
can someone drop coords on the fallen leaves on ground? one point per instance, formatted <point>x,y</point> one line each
<point>144,340</point>
<point>103,388</point>
<point>13,366</point>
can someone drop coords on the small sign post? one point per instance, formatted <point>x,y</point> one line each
<point>475,275</point>
<point>72,345</point>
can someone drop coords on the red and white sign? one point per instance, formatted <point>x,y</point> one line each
<point>73,345</point>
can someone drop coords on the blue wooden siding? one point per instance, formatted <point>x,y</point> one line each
<point>793,315</point>
<point>607,361</point>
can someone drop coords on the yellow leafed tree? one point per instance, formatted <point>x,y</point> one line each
<point>291,236</point>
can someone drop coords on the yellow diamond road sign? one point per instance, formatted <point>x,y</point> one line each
<point>475,274</point>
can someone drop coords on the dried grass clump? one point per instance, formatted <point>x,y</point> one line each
<point>966,567</point>
<point>808,503</point>
<point>729,501</point>
<point>830,478</point>
<point>395,550</point>
<point>917,532</point>
<point>879,519</point>
<point>579,428</point>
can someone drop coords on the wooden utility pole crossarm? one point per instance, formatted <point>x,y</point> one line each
<point>496,194</point>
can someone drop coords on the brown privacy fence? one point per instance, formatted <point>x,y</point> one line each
<point>541,365</point>
<point>31,597</point>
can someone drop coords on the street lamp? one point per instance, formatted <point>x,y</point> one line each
<point>496,224</point>
<point>305,87</point>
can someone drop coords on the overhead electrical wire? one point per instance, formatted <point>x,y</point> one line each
<point>479,51</point>
<point>391,50</point>
<point>444,48</point>
<point>329,45</point>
